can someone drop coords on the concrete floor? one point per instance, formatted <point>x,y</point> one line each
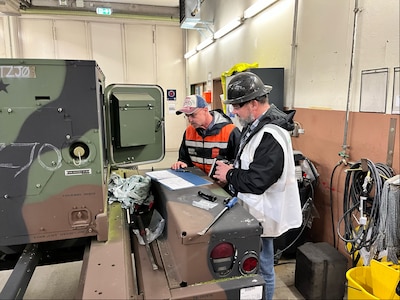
<point>61,281</point>
<point>284,280</point>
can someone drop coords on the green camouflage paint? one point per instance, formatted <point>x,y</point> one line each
<point>48,110</point>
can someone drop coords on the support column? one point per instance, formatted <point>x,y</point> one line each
<point>10,24</point>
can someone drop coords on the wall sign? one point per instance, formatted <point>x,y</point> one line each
<point>171,95</point>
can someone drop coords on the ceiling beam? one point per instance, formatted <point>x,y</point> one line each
<point>90,6</point>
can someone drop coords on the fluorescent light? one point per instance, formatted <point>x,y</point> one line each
<point>257,7</point>
<point>204,44</point>
<point>190,53</point>
<point>227,28</point>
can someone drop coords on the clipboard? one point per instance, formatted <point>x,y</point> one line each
<point>175,180</point>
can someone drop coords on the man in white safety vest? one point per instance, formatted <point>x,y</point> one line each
<point>263,174</point>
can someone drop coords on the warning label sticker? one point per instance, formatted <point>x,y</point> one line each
<point>78,172</point>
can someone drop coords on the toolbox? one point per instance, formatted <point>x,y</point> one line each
<point>320,271</point>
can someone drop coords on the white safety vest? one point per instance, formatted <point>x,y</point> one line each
<point>278,209</point>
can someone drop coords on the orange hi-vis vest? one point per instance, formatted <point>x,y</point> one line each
<point>203,150</point>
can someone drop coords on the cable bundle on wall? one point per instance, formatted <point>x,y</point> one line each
<point>361,201</point>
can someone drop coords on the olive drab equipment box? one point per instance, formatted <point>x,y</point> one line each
<point>237,228</point>
<point>61,129</point>
<point>220,264</point>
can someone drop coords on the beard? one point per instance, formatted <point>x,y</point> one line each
<point>246,121</point>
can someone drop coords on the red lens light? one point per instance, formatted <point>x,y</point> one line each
<point>250,264</point>
<point>222,258</point>
<point>222,250</point>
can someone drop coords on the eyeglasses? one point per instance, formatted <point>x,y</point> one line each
<point>240,105</point>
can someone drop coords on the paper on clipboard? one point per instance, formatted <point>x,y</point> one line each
<point>177,180</point>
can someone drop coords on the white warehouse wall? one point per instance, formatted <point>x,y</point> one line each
<point>321,64</point>
<point>265,39</point>
<point>322,49</point>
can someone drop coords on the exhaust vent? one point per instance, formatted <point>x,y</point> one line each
<point>189,11</point>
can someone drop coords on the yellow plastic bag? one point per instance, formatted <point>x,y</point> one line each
<point>240,67</point>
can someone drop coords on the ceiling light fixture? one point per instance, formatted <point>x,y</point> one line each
<point>228,28</point>
<point>204,44</point>
<point>190,53</point>
<point>257,7</point>
<point>247,14</point>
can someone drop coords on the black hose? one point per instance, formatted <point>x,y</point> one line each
<point>331,204</point>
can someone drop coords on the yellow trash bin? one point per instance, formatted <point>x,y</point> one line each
<point>377,281</point>
<point>385,277</point>
<point>359,283</point>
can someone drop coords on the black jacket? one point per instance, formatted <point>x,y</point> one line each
<point>268,162</point>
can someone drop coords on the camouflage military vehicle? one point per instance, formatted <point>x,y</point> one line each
<point>61,132</point>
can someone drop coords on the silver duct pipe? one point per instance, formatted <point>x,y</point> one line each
<point>292,76</point>
<point>356,10</point>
